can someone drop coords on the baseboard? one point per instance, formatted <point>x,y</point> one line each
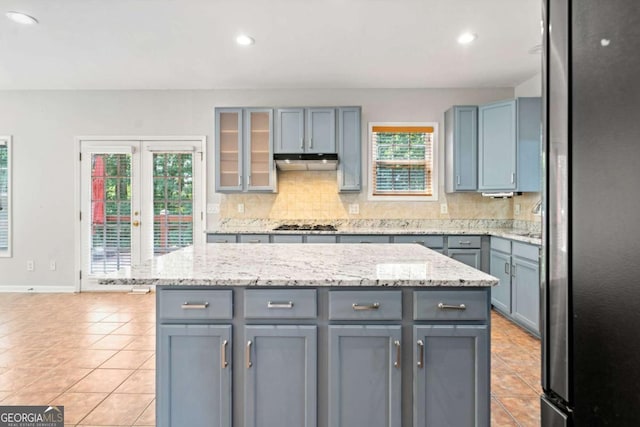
<point>38,289</point>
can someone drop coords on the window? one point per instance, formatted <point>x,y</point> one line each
<point>402,161</point>
<point>5,197</point>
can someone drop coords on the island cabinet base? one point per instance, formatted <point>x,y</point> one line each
<point>323,357</point>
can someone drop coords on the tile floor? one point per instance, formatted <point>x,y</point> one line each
<point>94,354</point>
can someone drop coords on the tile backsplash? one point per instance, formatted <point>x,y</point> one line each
<point>314,196</point>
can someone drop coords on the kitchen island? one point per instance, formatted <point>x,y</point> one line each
<point>319,335</point>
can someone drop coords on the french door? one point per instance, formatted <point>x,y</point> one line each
<point>139,199</point>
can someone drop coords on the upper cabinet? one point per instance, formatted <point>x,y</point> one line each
<point>349,146</point>
<point>461,148</point>
<point>497,153</point>
<point>494,147</point>
<point>244,150</point>
<point>311,130</point>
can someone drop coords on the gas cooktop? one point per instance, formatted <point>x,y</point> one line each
<point>307,227</point>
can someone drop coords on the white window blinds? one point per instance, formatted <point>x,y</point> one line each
<point>5,198</point>
<point>402,160</point>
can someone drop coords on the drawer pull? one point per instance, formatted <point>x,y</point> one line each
<point>247,354</point>
<point>397,362</point>
<point>443,306</point>
<point>421,354</point>
<point>358,307</point>
<point>195,306</point>
<point>254,241</point>
<point>224,354</point>
<point>272,304</point>
<point>364,241</point>
<point>222,241</point>
<point>421,242</point>
<point>464,242</point>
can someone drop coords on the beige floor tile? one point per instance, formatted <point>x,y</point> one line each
<point>526,410</point>
<point>77,341</point>
<point>102,328</point>
<point>30,398</point>
<point>118,317</point>
<point>101,380</point>
<point>142,343</point>
<point>78,405</point>
<point>4,394</point>
<point>17,356</point>
<point>133,328</point>
<point>150,363</point>
<point>500,417</point>
<point>57,380</point>
<point>113,342</point>
<point>16,379</point>
<point>148,417</point>
<point>140,382</point>
<point>127,359</point>
<point>119,409</point>
<point>87,358</point>
<point>509,384</point>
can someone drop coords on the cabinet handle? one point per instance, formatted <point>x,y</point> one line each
<point>420,354</point>
<point>359,307</point>
<point>302,143</point>
<point>464,242</point>
<point>397,362</point>
<point>288,304</point>
<point>513,178</point>
<point>513,270</point>
<point>247,354</point>
<point>222,241</point>
<point>443,306</point>
<point>363,241</point>
<point>249,180</point>
<point>310,142</point>
<point>224,354</point>
<point>458,179</point>
<point>254,241</point>
<point>419,242</point>
<point>194,306</point>
<point>239,180</point>
<point>507,270</point>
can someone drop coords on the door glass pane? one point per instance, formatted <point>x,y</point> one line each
<point>172,201</point>
<point>110,212</point>
<point>4,198</point>
<point>260,158</point>
<point>229,146</point>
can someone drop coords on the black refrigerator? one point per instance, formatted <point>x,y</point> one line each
<point>591,213</point>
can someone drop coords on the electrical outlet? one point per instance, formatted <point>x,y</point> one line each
<point>516,209</point>
<point>443,208</point>
<point>213,208</point>
<point>31,265</point>
<point>52,264</point>
<point>354,208</point>
<point>240,207</point>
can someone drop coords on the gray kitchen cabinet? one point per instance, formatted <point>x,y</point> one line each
<point>244,150</point>
<point>461,148</point>
<point>431,242</point>
<point>470,257</point>
<point>321,238</point>
<point>517,296</point>
<point>497,153</point>
<point>197,388</point>
<point>253,238</point>
<point>286,238</point>
<point>449,390</point>
<point>364,238</point>
<point>280,376</point>
<point>221,238</point>
<point>349,149</point>
<point>365,376</point>
<point>310,130</point>
<point>529,144</point>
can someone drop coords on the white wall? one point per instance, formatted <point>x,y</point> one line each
<point>531,87</point>
<point>44,125</point>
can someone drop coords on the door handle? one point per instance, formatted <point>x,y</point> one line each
<point>310,142</point>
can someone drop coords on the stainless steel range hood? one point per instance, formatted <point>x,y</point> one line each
<point>306,161</point>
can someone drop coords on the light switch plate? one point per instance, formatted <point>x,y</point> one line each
<point>443,208</point>
<point>354,208</point>
<point>240,207</point>
<point>213,208</point>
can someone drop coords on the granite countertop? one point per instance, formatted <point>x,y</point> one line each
<point>507,233</point>
<point>303,265</point>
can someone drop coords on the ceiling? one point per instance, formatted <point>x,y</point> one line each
<point>190,44</point>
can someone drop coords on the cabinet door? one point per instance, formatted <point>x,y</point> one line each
<point>260,170</point>
<point>497,146</point>
<point>349,149</point>
<point>289,130</point>
<point>229,171</point>
<point>526,293</point>
<point>471,257</point>
<point>321,130</point>
<point>461,131</point>
<point>529,144</point>
<point>280,376</point>
<point>500,267</point>
<point>194,378</point>
<point>364,376</point>
<point>451,376</point>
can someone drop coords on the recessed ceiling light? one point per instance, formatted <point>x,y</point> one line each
<point>21,18</point>
<point>245,40</point>
<point>466,38</point>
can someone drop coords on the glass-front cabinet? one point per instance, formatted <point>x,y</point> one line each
<point>259,153</point>
<point>229,150</point>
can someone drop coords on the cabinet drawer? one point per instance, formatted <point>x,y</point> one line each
<point>254,238</point>
<point>195,304</point>
<point>428,241</point>
<point>286,238</point>
<point>364,239</point>
<point>523,250</point>
<point>502,245</point>
<point>365,305</point>
<point>461,242</point>
<point>320,238</point>
<point>280,304</point>
<point>221,238</point>
<point>447,305</point>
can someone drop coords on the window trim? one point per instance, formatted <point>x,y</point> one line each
<point>435,171</point>
<point>8,253</point>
